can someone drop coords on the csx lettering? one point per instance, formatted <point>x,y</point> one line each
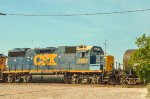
<point>82,60</point>
<point>45,59</point>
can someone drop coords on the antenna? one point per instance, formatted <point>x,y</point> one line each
<point>105,47</point>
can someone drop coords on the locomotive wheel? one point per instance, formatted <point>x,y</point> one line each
<point>112,81</point>
<point>79,81</point>
<point>16,80</point>
<point>99,80</point>
<point>89,81</point>
<point>25,79</point>
<point>94,79</point>
<point>75,79</point>
<point>21,80</point>
<point>9,80</point>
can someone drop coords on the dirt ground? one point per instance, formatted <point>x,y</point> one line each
<point>67,91</point>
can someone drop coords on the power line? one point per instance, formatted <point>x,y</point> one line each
<point>2,14</point>
<point>79,14</point>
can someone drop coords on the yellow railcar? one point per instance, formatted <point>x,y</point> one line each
<point>109,63</point>
<point>3,59</point>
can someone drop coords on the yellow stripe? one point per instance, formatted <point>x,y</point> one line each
<point>17,71</point>
<point>52,71</point>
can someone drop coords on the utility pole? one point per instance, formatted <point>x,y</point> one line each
<point>105,46</point>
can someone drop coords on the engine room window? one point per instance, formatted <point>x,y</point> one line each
<point>83,54</point>
<point>70,50</point>
<point>17,54</point>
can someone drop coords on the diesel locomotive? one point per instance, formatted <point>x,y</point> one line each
<point>76,64</point>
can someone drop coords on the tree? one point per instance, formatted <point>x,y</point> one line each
<point>141,58</point>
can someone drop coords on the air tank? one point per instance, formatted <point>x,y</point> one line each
<point>126,59</point>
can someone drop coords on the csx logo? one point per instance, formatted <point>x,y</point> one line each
<point>45,59</point>
<point>82,61</point>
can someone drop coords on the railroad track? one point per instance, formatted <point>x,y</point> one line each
<point>77,85</point>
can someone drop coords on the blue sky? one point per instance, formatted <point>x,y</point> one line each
<point>120,30</point>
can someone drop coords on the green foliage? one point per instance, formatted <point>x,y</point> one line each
<point>141,58</point>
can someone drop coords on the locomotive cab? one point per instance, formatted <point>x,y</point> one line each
<point>100,65</point>
<point>94,56</point>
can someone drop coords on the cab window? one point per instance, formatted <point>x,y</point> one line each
<point>96,53</point>
<point>83,54</point>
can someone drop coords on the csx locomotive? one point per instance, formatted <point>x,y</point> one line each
<point>77,64</point>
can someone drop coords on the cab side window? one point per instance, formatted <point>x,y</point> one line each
<point>83,54</point>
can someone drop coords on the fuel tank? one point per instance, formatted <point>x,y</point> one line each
<point>48,78</point>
